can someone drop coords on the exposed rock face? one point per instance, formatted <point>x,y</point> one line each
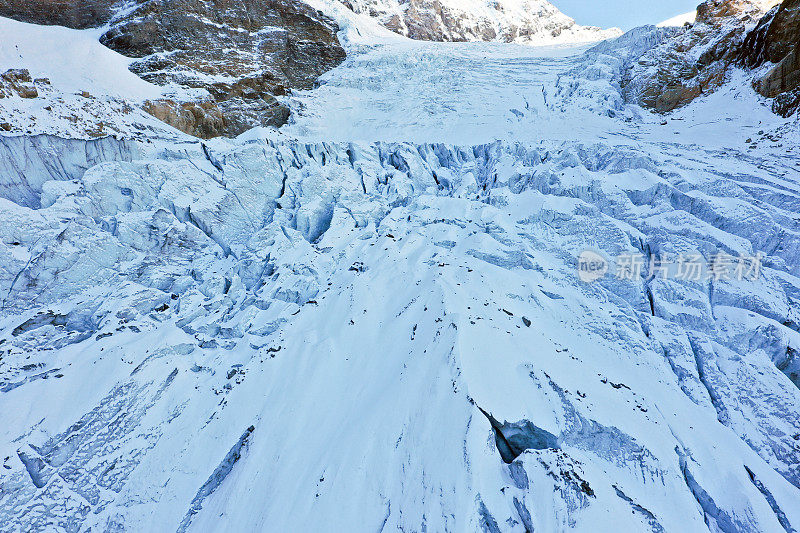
<point>201,119</point>
<point>227,59</point>
<point>19,82</point>
<point>783,79</point>
<point>787,103</point>
<point>715,11</point>
<point>70,13</point>
<point>776,35</point>
<point>695,61</point>
<point>236,55</point>
<point>478,20</point>
<point>776,39</point>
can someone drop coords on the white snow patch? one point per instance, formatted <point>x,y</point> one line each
<point>73,60</point>
<point>679,20</point>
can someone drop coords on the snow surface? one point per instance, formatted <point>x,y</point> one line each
<point>303,330</point>
<point>435,92</point>
<point>356,29</point>
<point>679,20</point>
<point>73,60</point>
<point>91,93</point>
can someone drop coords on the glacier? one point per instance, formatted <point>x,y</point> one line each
<point>372,319</point>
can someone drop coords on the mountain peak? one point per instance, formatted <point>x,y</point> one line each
<point>521,21</point>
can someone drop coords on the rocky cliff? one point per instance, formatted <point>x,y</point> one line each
<point>695,60</point>
<point>70,13</point>
<point>776,40</point>
<point>237,57</point>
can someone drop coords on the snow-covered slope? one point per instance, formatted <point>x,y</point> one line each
<point>215,68</point>
<point>373,319</point>
<point>85,89</point>
<point>524,21</point>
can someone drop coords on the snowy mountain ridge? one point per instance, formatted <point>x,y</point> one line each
<point>521,21</point>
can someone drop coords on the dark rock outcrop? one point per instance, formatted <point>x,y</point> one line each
<point>70,13</point>
<point>237,55</point>
<point>776,40</point>
<point>786,104</point>
<point>783,83</point>
<point>697,60</point>
<point>777,34</point>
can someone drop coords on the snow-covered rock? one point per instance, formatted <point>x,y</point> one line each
<point>236,57</point>
<point>666,67</point>
<point>697,59</point>
<point>774,41</point>
<point>82,89</point>
<point>214,67</point>
<point>521,21</point>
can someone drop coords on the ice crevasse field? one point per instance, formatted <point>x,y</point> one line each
<point>372,320</point>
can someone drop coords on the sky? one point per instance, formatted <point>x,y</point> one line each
<point>624,14</point>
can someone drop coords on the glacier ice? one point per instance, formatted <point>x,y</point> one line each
<point>285,333</point>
